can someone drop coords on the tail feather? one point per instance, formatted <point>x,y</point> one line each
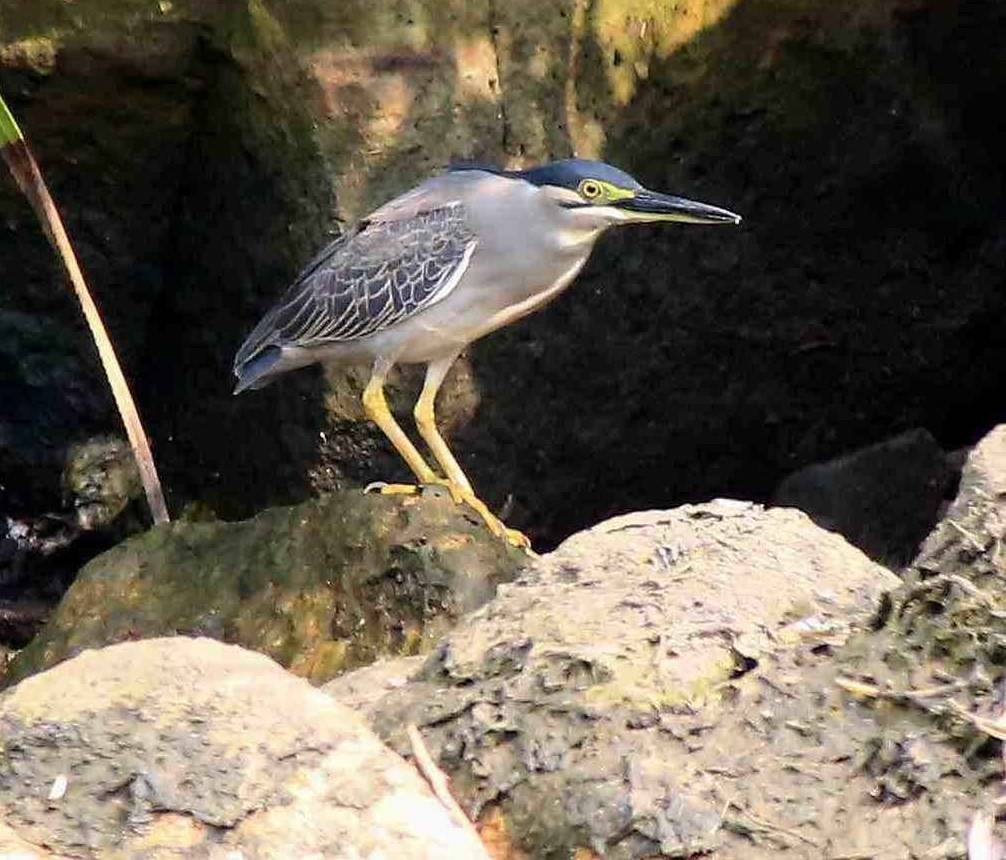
<point>257,371</point>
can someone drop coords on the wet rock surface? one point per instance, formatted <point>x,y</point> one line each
<point>187,747</point>
<point>572,703</point>
<point>884,498</point>
<point>320,587</point>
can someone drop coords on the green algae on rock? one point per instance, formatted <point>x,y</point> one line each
<point>320,587</point>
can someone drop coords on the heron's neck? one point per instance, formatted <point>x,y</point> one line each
<point>579,231</point>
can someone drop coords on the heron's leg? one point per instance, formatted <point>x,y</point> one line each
<point>427,424</point>
<point>376,407</point>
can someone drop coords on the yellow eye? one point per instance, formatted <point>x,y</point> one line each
<point>590,189</point>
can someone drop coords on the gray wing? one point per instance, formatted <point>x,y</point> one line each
<point>362,283</point>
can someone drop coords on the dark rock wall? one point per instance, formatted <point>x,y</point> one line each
<point>109,126</point>
<point>861,296</point>
<point>200,155</point>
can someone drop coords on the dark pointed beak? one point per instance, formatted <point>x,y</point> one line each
<point>648,206</point>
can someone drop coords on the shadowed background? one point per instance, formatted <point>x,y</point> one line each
<point>200,155</point>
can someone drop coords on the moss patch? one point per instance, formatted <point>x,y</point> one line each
<point>319,587</point>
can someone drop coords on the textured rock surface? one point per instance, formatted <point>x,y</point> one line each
<point>202,151</point>
<point>884,499</point>
<point>974,527</point>
<point>946,623</point>
<point>187,747</point>
<point>557,703</point>
<point>320,587</point>
<point>149,130</point>
<point>363,688</point>
<point>821,744</point>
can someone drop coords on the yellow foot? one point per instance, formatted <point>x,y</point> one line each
<point>413,489</point>
<point>495,524</point>
<point>519,539</point>
<point>391,489</point>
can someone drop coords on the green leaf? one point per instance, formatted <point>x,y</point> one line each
<point>9,131</point>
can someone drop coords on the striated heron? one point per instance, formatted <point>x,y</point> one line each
<point>455,258</point>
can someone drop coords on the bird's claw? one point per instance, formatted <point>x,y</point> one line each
<point>386,489</point>
<point>493,523</point>
<point>496,525</point>
<point>518,539</point>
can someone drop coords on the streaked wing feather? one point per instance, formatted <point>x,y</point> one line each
<point>362,283</point>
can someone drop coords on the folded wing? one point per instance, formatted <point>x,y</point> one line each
<point>384,272</point>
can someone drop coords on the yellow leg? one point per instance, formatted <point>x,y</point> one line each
<point>427,425</point>
<point>376,407</point>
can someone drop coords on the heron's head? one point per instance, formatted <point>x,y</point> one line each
<point>600,195</point>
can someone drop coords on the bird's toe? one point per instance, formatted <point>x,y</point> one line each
<point>518,539</point>
<point>386,489</point>
<point>496,525</point>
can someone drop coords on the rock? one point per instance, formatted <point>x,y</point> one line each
<point>969,539</point>
<point>41,554</point>
<point>556,706</point>
<point>19,622</point>
<point>132,182</point>
<point>742,355</point>
<point>363,688</point>
<point>948,620</point>
<point>100,479</point>
<point>320,587</point>
<point>187,747</point>
<point>931,669</point>
<point>50,401</point>
<point>884,499</point>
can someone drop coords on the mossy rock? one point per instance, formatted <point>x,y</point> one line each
<point>320,587</point>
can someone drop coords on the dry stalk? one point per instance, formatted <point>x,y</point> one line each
<point>438,781</point>
<point>26,173</point>
<point>872,691</point>
<point>767,827</point>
